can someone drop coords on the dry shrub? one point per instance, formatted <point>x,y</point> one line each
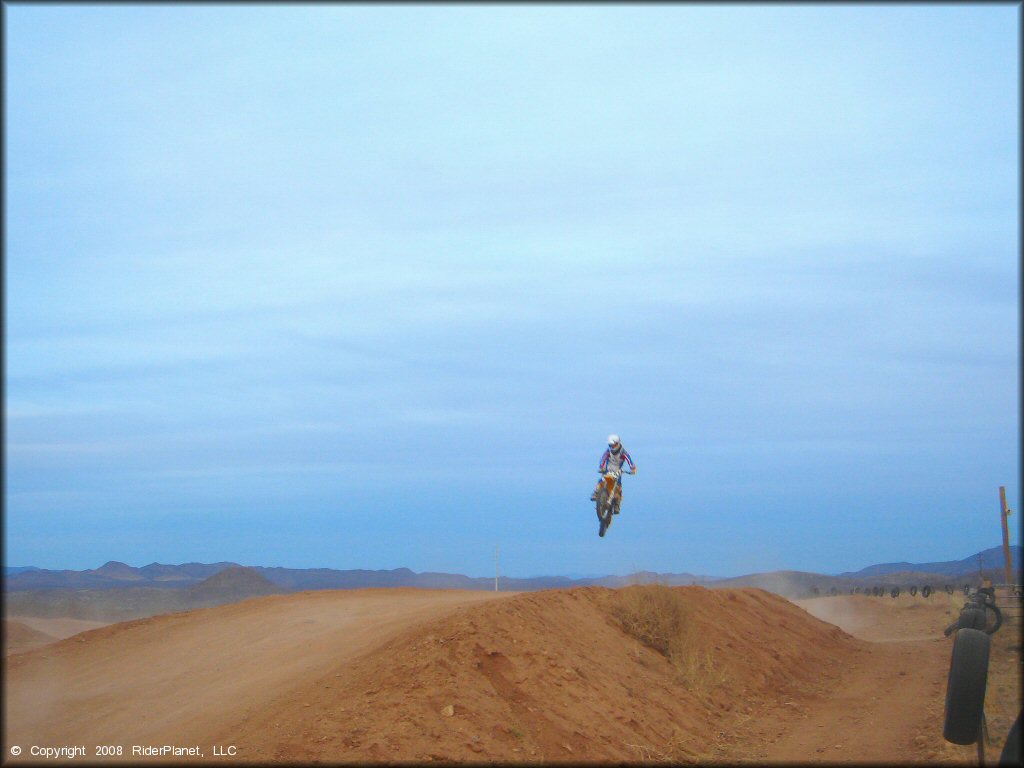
<point>654,614</point>
<point>676,751</point>
<point>659,617</point>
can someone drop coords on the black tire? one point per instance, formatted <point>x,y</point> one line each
<point>895,592</point>
<point>965,687</point>
<point>926,591</point>
<point>972,618</point>
<point>913,591</point>
<point>997,622</point>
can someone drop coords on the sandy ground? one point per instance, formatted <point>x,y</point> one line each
<point>409,675</point>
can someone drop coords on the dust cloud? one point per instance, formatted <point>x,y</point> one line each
<point>843,612</point>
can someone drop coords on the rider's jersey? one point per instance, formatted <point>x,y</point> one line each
<point>613,460</point>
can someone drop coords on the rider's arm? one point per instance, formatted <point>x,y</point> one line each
<point>604,461</point>
<point>629,460</point>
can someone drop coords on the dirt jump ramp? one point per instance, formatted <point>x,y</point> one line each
<point>406,674</point>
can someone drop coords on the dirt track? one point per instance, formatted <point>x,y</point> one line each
<point>177,678</point>
<point>883,705</point>
<point>375,675</point>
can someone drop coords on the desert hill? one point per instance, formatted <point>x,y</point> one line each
<point>118,571</point>
<point>640,674</point>
<point>28,632</point>
<point>230,585</point>
<point>412,674</point>
<point>19,637</point>
<point>111,575</point>
<point>112,605</point>
<point>553,676</point>
<point>991,559</point>
<point>14,570</point>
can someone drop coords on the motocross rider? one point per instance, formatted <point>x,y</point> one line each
<point>612,460</point>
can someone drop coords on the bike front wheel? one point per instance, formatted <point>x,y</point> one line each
<point>604,511</point>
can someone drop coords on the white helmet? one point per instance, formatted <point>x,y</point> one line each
<point>613,440</point>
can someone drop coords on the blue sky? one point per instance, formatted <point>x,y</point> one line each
<point>367,286</point>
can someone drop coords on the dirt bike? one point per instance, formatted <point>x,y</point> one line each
<point>607,500</point>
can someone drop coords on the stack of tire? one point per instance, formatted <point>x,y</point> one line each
<point>972,618</point>
<point>968,668</point>
<point>975,616</point>
<point>965,688</point>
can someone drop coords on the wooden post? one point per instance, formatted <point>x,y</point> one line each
<point>1006,535</point>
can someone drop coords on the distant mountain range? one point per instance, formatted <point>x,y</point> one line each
<point>120,592</point>
<point>10,571</point>
<point>228,585</point>
<point>115,575</point>
<point>988,559</point>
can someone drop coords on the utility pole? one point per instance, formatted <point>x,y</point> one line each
<point>1005,513</point>
<point>495,567</point>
